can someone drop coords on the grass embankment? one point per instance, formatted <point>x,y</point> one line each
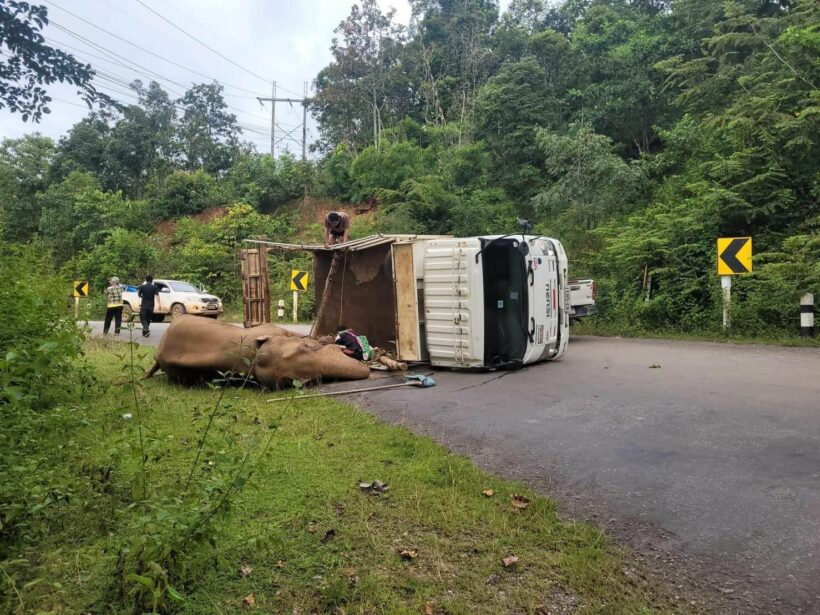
<point>309,539</point>
<point>606,329</point>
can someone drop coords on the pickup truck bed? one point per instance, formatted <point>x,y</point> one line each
<point>582,295</point>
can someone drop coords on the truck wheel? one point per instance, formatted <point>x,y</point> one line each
<point>177,310</point>
<point>127,313</point>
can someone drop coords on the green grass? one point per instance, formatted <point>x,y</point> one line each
<point>607,329</point>
<point>305,486</point>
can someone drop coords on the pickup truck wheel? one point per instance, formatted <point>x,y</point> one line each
<point>127,313</point>
<point>178,310</point>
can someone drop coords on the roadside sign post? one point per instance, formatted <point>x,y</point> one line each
<point>734,257</point>
<point>79,289</point>
<point>298,283</point>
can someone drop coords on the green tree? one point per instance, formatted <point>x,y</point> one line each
<point>140,146</point>
<point>385,168</point>
<point>77,215</point>
<point>29,63</point>
<point>128,254</point>
<point>755,92</point>
<point>84,148</point>
<point>360,90</point>
<point>585,178</point>
<point>266,183</point>
<point>510,108</point>
<point>421,204</point>
<point>450,55</point>
<point>208,134</point>
<point>183,193</point>
<point>24,171</point>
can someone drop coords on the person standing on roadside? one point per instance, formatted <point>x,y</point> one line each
<point>113,301</point>
<point>147,293</point>
<point>337,228</point>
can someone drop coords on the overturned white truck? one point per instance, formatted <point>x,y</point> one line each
<point>489,302</point>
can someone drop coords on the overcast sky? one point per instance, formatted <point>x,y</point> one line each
<point>286,41</point>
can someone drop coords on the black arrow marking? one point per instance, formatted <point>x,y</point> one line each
<point>729,255</point>
<point>297,280</point>
<point>80,289</point>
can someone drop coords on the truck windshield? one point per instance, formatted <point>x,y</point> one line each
<point>183,287</point>
<point>505,304</point>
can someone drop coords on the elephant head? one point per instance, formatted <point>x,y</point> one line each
<point>281,358</point>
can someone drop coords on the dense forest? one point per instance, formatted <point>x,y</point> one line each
<point>636,131</point>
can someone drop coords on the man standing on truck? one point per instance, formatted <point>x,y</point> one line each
<point>113,302</point>
<point>337,228</point>
<point>147,293</point>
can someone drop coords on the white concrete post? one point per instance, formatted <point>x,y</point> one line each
<point>807,315</point>
<point>726,285</point>
<point>295,306</point>
<point>280,312</point>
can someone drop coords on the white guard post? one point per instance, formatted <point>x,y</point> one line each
<point>280,312</point>
<point>295,306</point>
<point>807,315</point>
<point>726,285</point>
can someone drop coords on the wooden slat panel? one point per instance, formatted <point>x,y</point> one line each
<point>255,288</point>
<point>407,309</point>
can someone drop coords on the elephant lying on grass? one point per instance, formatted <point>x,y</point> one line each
<point>196,349</point>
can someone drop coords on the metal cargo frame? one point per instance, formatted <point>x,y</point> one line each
<point>371,285</point>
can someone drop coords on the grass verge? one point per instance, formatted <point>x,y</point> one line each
<point>604,329</point>
<point>302,536</point>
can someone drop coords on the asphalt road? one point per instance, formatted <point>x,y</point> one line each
<point>704,457</point>
<point>709,461</point>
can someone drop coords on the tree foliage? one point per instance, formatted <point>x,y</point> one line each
<point>29,63</point>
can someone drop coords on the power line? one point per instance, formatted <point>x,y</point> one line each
<point>148,51</point>
<point>152,75</point>
<point>208,47</point>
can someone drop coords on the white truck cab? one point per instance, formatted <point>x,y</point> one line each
<point>495,301</point>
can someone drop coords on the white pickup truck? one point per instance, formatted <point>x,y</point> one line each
<point>175,298</point>
<point>582,295</point>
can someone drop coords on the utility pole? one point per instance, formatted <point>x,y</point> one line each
<point>273,100</point>
<point>304,124</point>
<point>273,123</point>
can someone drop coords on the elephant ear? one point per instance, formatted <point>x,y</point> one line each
<point>261,340</point>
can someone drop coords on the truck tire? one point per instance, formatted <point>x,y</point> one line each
<point>127,313</point>
<point>178,310</point>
